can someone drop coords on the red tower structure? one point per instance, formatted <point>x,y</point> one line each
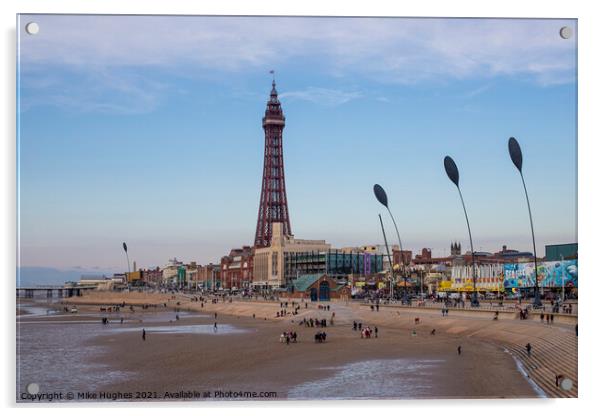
<point>273,206</point>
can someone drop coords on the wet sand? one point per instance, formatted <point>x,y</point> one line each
<point>256,361</point>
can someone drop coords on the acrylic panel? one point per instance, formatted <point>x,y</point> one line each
<point>276,208</point>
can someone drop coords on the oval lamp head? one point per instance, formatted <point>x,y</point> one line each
<point>452,170</point>
<point>381,195</point>
<point>125,247</point>
<point>515,153</point>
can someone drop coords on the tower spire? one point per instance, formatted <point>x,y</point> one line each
<point>273,206</point>
<point>274,93</point>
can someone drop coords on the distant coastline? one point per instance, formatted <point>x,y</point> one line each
<point>35,276</point>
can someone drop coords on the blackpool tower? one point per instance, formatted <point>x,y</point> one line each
<point>272,204</point>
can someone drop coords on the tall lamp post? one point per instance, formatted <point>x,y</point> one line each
<point>517,158</point>
<point>388,256</point>
<point>381,196</point>
<point>452,173</point>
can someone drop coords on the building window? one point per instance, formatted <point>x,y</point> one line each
<point>274,264</point>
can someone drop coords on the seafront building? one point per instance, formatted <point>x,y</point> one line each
<point>561,251</point>
<point>337,264</point>
<point>101,282</point>
<point>237,269</point>
<point>381,250</point>
<point>191,275</point>
<point>269,269</point>
<point>152,277</point>
<point>209,277</point>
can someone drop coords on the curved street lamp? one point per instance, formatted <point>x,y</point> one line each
<point>381,196</point>
<point>125,248</point>
<point>517,158</point>
<point>452,173</point>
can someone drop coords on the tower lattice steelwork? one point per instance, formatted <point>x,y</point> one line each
<point>272,206</point>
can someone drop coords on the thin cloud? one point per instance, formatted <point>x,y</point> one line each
<point>477,91</point>
<point>323,96</point>
<point>387,51</point>
<point>406,49</point>
<point>109,92</point>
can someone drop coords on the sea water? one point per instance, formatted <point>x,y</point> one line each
<point>57,355</point>
<point>383,379</point>
<point>223,329</point>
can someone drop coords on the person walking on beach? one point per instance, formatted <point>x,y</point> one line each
<point>354,326</point>
<point>375,332</point>
<point>541,318</point>
<point>547,318</point>
<point>215,314</point>
<point>143,335</point>
<point>215,327</point>
<point>551,318</point>
<point>459,350</point>
<point>528,347</point>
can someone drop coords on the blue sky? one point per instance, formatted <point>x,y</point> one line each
<point>148,130</point>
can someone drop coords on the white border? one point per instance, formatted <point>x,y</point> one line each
<point>589,184</point>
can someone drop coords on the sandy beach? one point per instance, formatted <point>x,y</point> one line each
<point>253,359</point>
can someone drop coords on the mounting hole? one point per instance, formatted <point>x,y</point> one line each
<point>32,28</point>
<point>566,384</point>
<point>33,388</point>
<point>566,32</point>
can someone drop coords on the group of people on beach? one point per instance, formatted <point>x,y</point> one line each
<point>283,312</point>
<point>311,322</point>
<point>568,308</point>
<point>288,337</point>
<point>320,337</point>
<point>523,313</point>
<point>367,332</point>
<point>284,306</point>
<point>549,317</point>
<point>373,307</point>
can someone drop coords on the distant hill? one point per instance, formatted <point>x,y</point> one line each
<point>34,276</point>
